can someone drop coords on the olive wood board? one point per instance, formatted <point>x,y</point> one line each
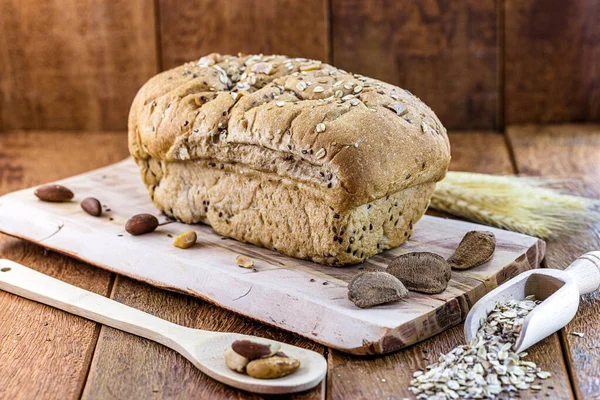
<point>296,295</point>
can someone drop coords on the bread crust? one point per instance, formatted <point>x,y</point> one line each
<point>332,141</point>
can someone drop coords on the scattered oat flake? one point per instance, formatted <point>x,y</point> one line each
<point>280,103</point>
<point>321,153</point>
<point>301,86</point>
<point>487,366</point>
<point>398,108</point>
<point>320,128</point>
<point>424,127</point>
<point>579,334</point>
<point>310,67</point>
<point>358,89</point>
<point>318,89</point>
<point>262,68</point>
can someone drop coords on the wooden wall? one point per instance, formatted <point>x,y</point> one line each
<point>480,64</point>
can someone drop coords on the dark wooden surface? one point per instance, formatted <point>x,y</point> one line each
<point>73,65</point>
<point>552,60</point>
<point>48,354</point>
<point>478,64</point>
<point>193,28</point>
<point>445,52</point>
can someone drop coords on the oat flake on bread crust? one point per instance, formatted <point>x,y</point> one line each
<point>289,154</point>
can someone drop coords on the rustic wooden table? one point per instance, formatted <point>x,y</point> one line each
<point>49,354</point>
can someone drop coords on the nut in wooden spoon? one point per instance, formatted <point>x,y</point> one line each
<point>204,349</point>
<point>558,290</point>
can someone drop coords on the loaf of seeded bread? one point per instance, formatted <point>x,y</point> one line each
<point>289,154</point>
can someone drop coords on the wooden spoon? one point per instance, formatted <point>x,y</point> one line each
<point>203,348</point>
<point>558,290</point>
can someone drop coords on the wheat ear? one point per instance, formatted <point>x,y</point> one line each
<point>522,204</point>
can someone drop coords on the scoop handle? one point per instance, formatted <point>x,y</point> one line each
<point>585,271</point>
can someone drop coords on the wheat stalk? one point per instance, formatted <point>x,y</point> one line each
<point>522,204</point>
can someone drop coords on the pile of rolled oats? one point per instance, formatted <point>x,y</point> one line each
<point>487,366</point>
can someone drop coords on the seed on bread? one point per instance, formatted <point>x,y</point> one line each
<point>321,153</point>
<point>301,86</point>
<point>398,108</point>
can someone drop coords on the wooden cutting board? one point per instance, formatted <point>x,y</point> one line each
<point>295,295</point>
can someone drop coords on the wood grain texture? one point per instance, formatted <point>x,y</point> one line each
<point>199,27</point>
<point>127,366</point>
<point>478,151</point>
<point>308,293</point>
<point>569,151</point>
<point>352,377</point>
<point>36,157</point>
<point>74,64</point>
<point>45,353</point>
<point>552,61</point>
<point>445,52</point>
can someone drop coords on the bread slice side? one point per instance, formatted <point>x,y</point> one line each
<point>277,213</point>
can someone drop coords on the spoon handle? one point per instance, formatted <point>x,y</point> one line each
<point>22,281</point>
<point>585,271</point>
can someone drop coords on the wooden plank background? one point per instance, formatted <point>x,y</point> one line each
<point>73,64</point>
<point>76,65</point>
<point>70,68</point>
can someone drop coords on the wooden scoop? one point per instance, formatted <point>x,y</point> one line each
<point>203,348</point>
<point>558,290</point>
